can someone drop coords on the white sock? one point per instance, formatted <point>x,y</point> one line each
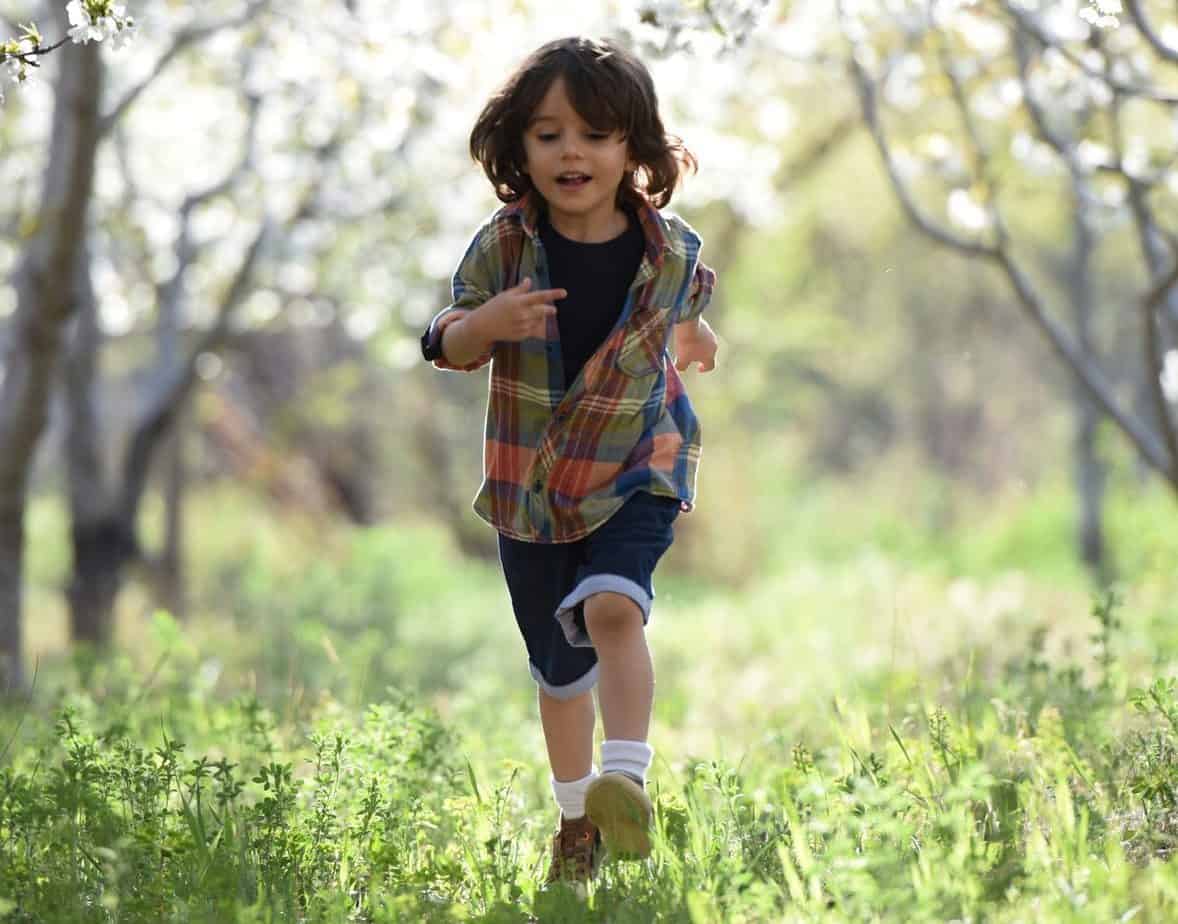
<point>630,757</point>
<point>570,796</point>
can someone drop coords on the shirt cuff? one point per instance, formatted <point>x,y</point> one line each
<point>433,338</point>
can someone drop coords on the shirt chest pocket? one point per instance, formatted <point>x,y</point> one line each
<point>644,342</point>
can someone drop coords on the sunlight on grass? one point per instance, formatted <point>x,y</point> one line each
<point>345,730</point>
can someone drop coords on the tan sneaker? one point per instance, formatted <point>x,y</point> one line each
<point>621,809</point>
<point>576,852</point>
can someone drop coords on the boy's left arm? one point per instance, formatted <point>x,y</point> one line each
<point>695,341</point>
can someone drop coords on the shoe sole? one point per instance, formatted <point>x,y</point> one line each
<point>622,812</point>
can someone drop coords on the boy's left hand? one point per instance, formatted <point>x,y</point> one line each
<point>695,342</point>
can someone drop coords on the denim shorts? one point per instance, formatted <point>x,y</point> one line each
<point>549,583</point>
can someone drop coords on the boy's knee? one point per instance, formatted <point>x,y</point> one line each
<point>608,613</point>
<point>564,700</point>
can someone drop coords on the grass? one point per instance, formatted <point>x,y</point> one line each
<point>346,732</point>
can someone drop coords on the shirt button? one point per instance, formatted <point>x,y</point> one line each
<point>538,485</point>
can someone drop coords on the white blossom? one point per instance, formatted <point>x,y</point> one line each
<point>1092,154</point>
<point>908,166</point>
<point>984,36</point>
<point>12,72</point>
<point>966,211</point>
<point>1035,155</point>
<point>83,27</point>
<point>1062,25</point>
<point>1102,13</point>
<point>904,89</point>
<point>95,20</point>
<point>124,36</point>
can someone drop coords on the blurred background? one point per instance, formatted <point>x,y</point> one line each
<point>948,376</point>
<point>921,627</point>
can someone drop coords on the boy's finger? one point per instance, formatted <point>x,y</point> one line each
<point>547,295</point>
<point>524,284</point>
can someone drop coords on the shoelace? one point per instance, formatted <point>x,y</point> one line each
<point>575,845</point>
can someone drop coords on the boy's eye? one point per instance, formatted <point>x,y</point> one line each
<point>546,136</point>
<point>598,136</point>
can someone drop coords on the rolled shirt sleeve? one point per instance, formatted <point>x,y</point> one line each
<point>703,282</point>
<point>473,283</point>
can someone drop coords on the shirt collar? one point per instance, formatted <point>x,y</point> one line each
<point>654,226</point>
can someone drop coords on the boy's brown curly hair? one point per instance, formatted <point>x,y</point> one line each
<point>610,89</point>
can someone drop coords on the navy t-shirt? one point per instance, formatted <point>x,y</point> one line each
<point>597,278</point>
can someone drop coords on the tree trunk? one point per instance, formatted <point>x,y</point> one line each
<point>12,545</point>
<point>102,549</point>
<point>1091,479</point>
<point>171,567</point>
<point>100,544</point>
<point>44,302</point>
<point>1089,469</point>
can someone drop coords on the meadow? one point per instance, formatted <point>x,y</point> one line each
<point>886,689</point>
<point>882,723</point>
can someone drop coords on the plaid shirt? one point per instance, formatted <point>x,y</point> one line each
<point>557,464</point>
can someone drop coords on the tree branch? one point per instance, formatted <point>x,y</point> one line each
<point>1155,360</point>
<point>156,421</point>
<point>168,293</point>
<point>818,151</point>
<point>870,104</point>
<point>1146,28</point>
<point>1027,22</point>
<point>1151,448</point>
<point>184,39</point>
<point>1150,235</point>
<point>981,153</point>
<point>1074,357</point>
<point>1063,146</point>
<point>178,380</point>
<point>31,56</point>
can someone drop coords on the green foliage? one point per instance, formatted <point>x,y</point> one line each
<point>377,818</point>
<point>1007,775</point>
<point>103,826</point>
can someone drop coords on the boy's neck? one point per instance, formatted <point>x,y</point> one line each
<point>589,229</point>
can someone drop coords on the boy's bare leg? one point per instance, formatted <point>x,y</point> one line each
<point>568,734</point>
<point>625,679</point>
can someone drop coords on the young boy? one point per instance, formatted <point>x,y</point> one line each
<point>591,444</point>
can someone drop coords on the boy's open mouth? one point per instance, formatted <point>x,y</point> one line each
<point>573,179</point>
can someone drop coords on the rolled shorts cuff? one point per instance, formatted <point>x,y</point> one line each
<point>582,684</point>
<point>595,584</point>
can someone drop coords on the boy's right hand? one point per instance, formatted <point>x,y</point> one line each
<point>516,313</point>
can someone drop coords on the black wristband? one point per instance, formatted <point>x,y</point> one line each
<point>431,343</point>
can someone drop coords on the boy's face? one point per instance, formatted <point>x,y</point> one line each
<point>575,167</point>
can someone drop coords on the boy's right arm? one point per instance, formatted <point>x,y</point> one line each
<point>462,342</point>
<point>466,337</point>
